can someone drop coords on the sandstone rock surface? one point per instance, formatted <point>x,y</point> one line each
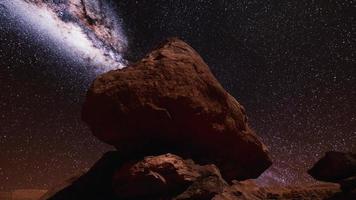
<point>170,102</point>
<point>164,177</point>
<point>169,177</point>
<point>249,190</point>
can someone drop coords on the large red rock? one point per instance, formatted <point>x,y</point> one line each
<point>170,102</point>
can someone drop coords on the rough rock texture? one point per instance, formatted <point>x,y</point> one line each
<point>165,176</point>
<point>169,177</point>
<point>171,102</point>
<point>203,188</point>
<point>334,166</point>
<point>249,190</point>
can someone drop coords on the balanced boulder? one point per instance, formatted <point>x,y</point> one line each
<point>170,102</point>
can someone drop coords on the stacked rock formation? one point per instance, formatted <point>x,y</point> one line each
<point>169,177</point>
<point>161,114</point>
<point>337,167</point>
<point>170,102</point>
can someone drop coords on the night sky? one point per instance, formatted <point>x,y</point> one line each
<point>292,64</point>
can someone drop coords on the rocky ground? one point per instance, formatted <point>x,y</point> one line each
<point>169,177</point>
<point>246,190</point>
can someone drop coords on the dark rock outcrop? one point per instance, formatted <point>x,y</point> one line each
<point>171,102</point>
<point>351,195</point>
<point>249,190</point>
<point>348,184</point>
<point>334,166</point>
<point>169,177</point>
<point>96,184</point>
<point>339,168</point>
<point>166,176</point>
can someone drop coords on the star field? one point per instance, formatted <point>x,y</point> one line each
<point>292,64</point>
